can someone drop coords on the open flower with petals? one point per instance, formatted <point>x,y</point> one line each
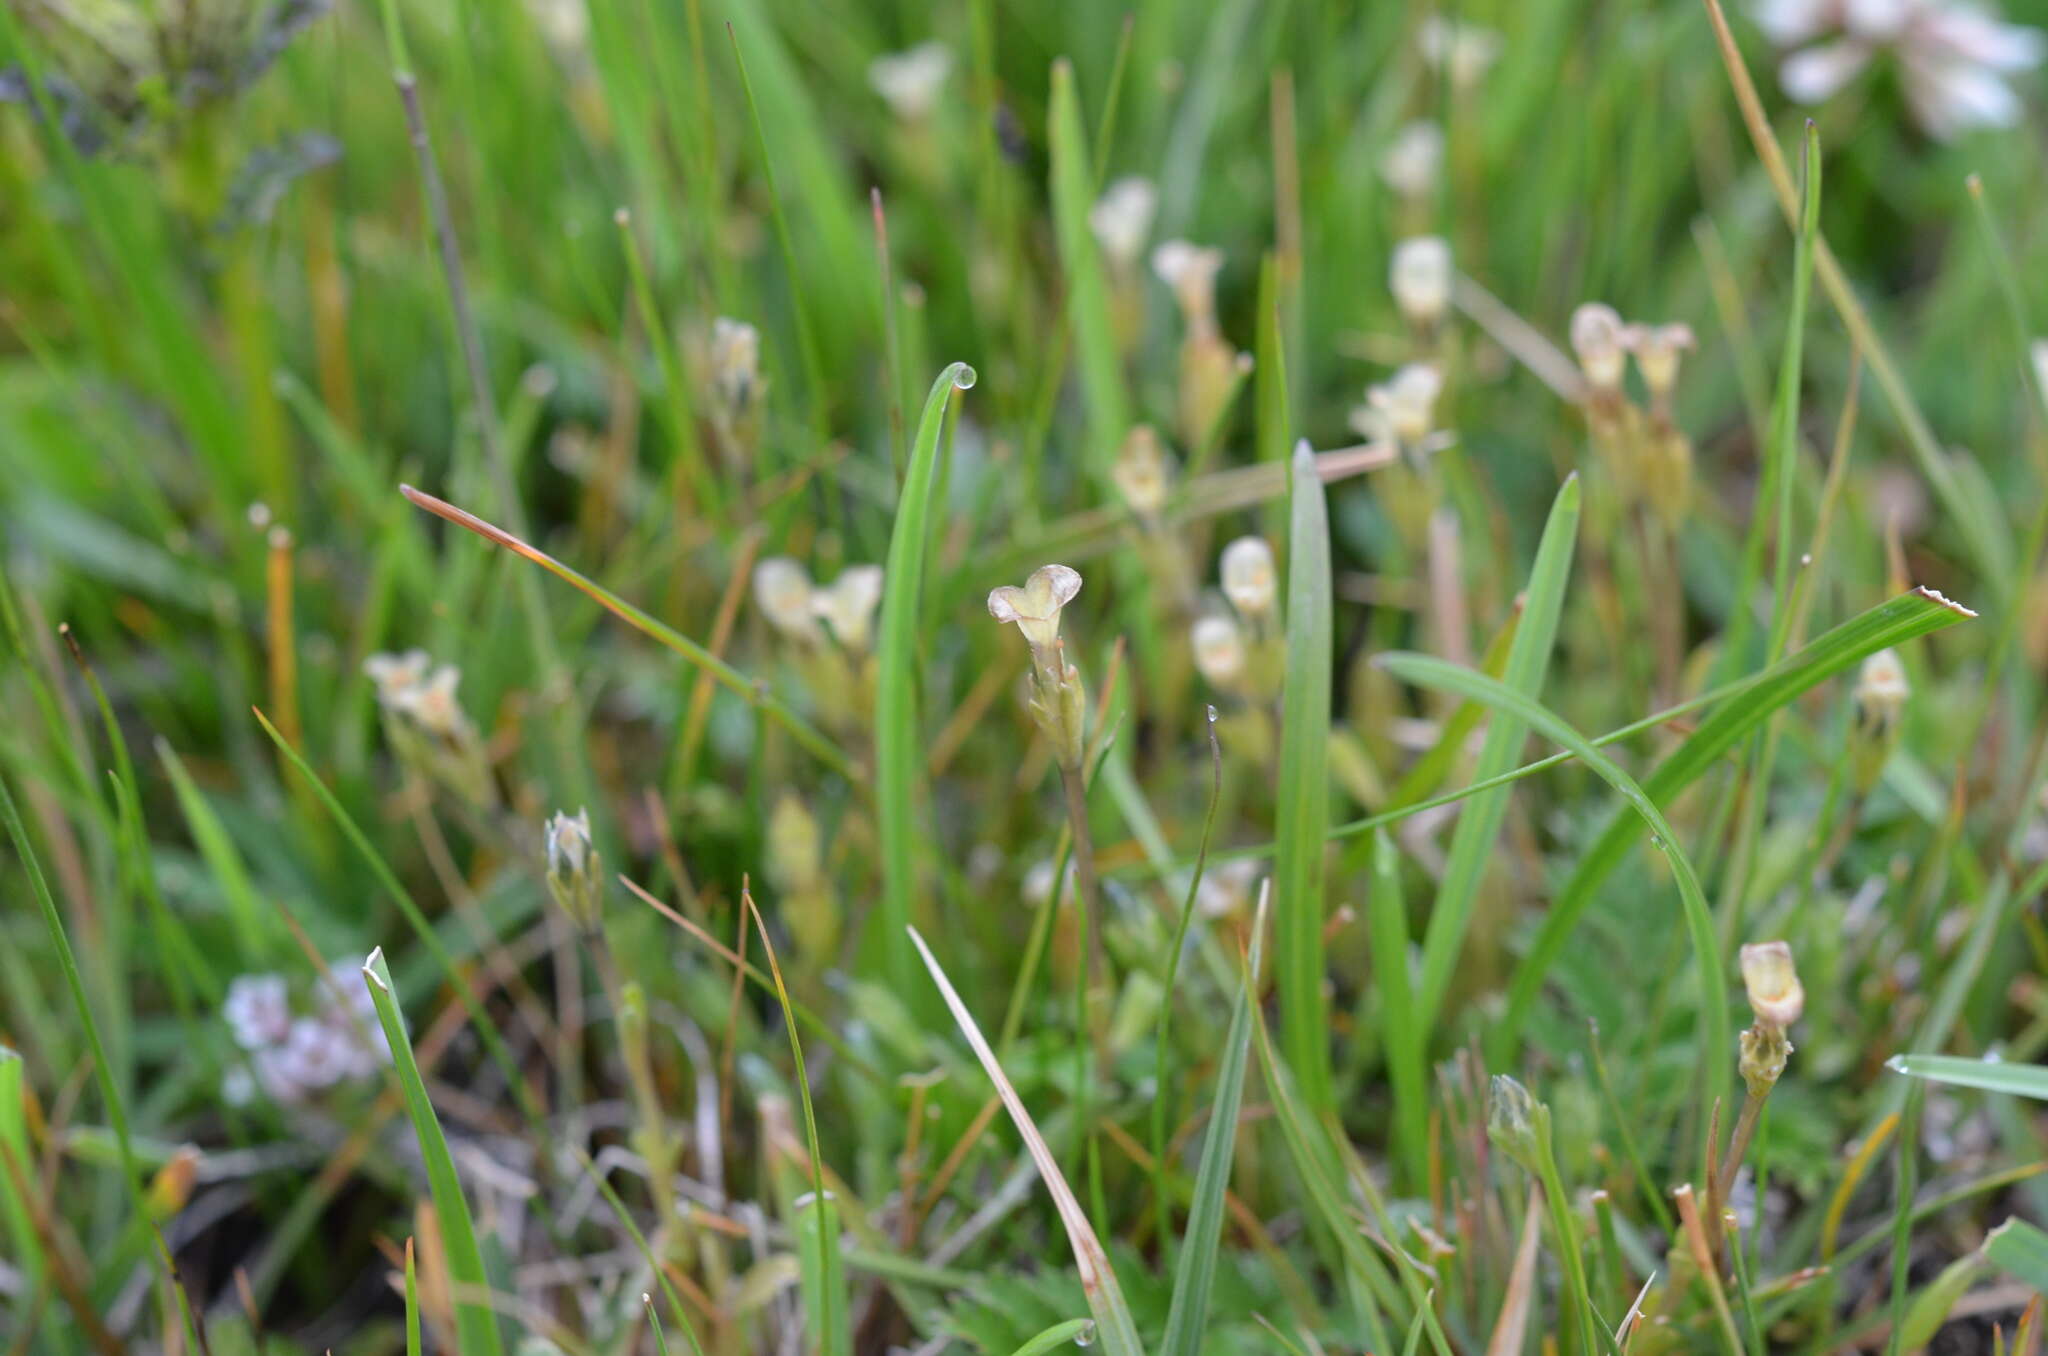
<point>782,590</point>
<point>1035,606</point>
<point>847,605</point>
<point>909,82</point>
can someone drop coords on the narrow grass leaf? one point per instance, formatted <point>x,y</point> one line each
<point>899,753</point>
<point>1904,618</point>
<point>2021,1249</point>
<point>412,1303</point>
<point>2021,1080</point>
<point>1088,315</point>
<point>14,1207</point>
<point>1480,820</point>
<point>1115,1328</point>
<point>1075,1332</point>
<point>1715,1033</point>
<point>1196,1271</point>
<point>1403,1032</point>
<point>1302,816</point>
<point>476,1325</point>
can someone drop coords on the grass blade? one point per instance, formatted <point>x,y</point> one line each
<point>1480,820</point>
<point>1715,1033</point>
<point>476,1325</point>
<point>1302,816</point>
<point>1196,1271</point>
<point>1074,1332</point>
<point>1404,1034</point>
<point>2021,1249</point>
<point>899,753</point>
<point>1904,618</point>
<point>1115,1328</point>
<point>2020,1080</point>
<point>412,1304</point>
<point>1073,193</point>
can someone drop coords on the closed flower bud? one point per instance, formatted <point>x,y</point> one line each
<point>1250,579</point>
<point>910,81</point>
<point>1121,219</point>
<point>573,868</point>
<point>1219,651</point>
<point>1143,472</point>
<point>1775,994</point>
<point>1420,278</point>
<point>1597,339</point>
<point>782,590</point>
<point>847,606</point>
<point>1408,401</point>
<point>1512,1117</point>
<point>1764,1053</point>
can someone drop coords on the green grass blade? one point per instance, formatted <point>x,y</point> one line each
<point>1404,1033</point>
<point>2019,1080</point>
<point>1479,822</point>
<point>899,753</point>
<point>476,1325</point>
<point>14,1208</point>
<point>1302,817</point>
<point>1073,193</point>
<point>1114,1326</point>
<point>255,925</point>
<point>1715,1032</point>
<point>1904,618</point>
<point>2022,1250</point>
<point>1075,1332</point>
<point>1196,1271</point>
<point>412,1303</point>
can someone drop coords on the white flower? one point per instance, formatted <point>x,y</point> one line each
<point>396,675</point>
<point>1462,51</point>
<point>1250,580</point>
<point>1143,471</point>
<point>735,355</point>
<point>847,606</point>
<point>1881,692</point>
<point>1414,159</point>
<point>316,1055</point>
<point>1657,349</point>
<point>1953,55</point>
<point>1190,270</point>
<point>1219,651</point>
<point>433,705</point>
<point>1419,275</point>
<point>782,590</point>
<point>1408,401</point>
<point>1036,606</point>
<point>1597,334</point>
<point>910,81</point>
<point>1122,217</point>
<point>258,1010</point>
<point>568,843</point>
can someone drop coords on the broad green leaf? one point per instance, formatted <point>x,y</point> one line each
<point>2021,1249</point>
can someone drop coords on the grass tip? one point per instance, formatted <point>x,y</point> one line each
<point>1935,595</point>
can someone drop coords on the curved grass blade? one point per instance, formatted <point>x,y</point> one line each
<point>1114,1326</point>
<point>1424,671</point>
<point>476,1325</point>
<point>2020,1080</point>
<point>1073,193</point>
<point>899,754</point>
<point>1302,816</point>
<point>2021,1249</point>
<point>801,730</point>
<point>1480,821</point>
<point>1196,1271</point>
<point>1075,1332</point>
<point>1904,618</point>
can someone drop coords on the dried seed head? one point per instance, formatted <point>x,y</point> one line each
<point>1414,159</point>
<point>1597,334</point>
<point>1420,278</point>
<point>1122,217</point>
<point>910,81</point>
<point>1775,995</point>
<point>1764,1053</point>
<point>847,606</point>
<point>1035,607</point>
<point>1190,270</point>
<point>1657,349</point>
<point>1880,695</point>
<point>1250,580</point>
<point>1219,651</point>
<point>1143,471</point>
<point>1408,402</point>
<point>782,590</point>
<point>735,354</point>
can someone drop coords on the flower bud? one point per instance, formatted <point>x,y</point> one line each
<point>1512,1117</point>
<point>1880,695</point>
<point>573,868</point>
<point>1121,219</point>
<point>1764,1054</point>
<point>1420,278</point>
<point>1597,339</point>
<point>1408,402</point>
<point>1414,159</point>
<point>782,590</point>
<point>735,366</point>
<point>1143,472</point>
<point>1190,270</point>
<point>1775,995</point>
<point>847,606</point>
<point>1250,580</point>
<point>1219,651</point>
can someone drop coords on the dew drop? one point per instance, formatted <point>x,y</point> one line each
<point>1086,1336</point>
